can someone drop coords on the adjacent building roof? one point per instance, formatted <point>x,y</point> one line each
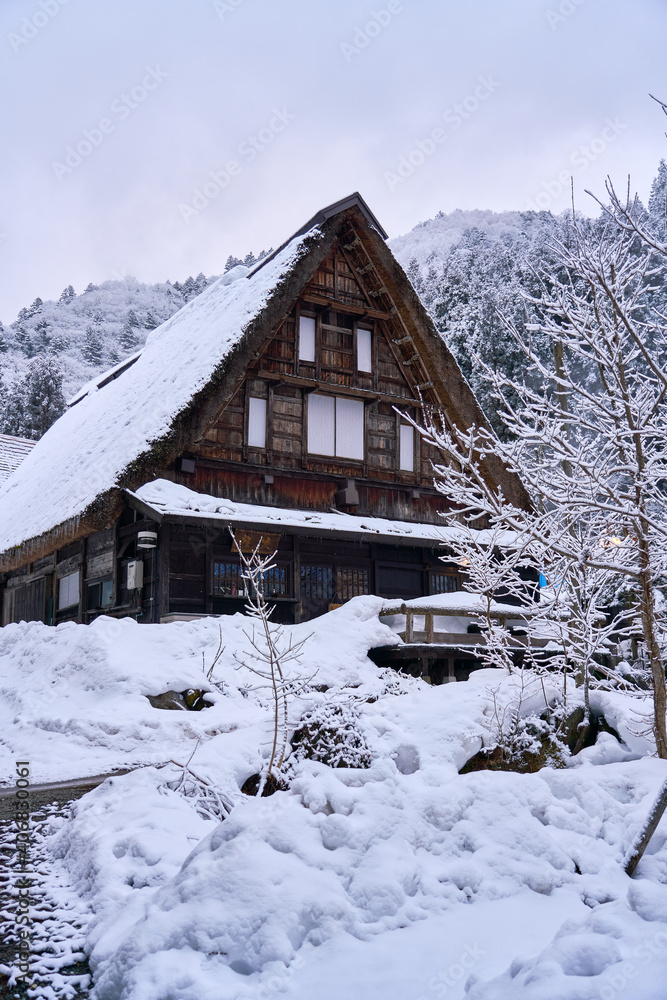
<point>12,452</point>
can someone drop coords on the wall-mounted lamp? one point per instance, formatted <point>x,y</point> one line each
<point>147,540</point>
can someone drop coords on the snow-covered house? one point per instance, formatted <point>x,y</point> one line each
<point>272,403</point>
<point>12,452</point>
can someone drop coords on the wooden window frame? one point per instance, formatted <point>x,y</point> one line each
<point>364,429</point>
<point>414,474</point>
<point>361,372</point>
<point>300,360</point>
<point>61,579</point>
<point>266,400</point>
<point>444,573</point>
<point>281,566</point>
<point>411,471</point>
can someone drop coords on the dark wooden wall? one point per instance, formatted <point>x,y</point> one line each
<point>318,571</point>
<point>227,466</point>
<point>283,474</point>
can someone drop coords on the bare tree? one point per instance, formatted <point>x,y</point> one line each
<point>588,436</point>
<point>493,561</point>
<point>273,653</point>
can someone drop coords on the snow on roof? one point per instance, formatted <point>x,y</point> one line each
<point>12,452</point>
<point>85,452</point>
<point>102,379</point>
<point>170,499</point>
<point>463,603</point>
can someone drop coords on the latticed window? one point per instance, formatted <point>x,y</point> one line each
<point>444,583</point>
<point>228,581</point>
<point>274,582</point>
<point>316,583</point>
<point>351,583</point>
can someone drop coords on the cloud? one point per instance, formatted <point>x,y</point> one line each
<point>229,64</point>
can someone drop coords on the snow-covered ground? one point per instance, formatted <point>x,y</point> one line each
<point>402,879</point>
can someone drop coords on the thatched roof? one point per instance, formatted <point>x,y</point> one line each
<point>128,426</point>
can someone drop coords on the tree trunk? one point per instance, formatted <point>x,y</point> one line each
<point>657,667</point>
<point>643,838</point>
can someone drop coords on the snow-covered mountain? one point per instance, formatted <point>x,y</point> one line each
<point>85,333</point>
<point>430,243</point>
<point>469,268</point>
<point>54,347</point>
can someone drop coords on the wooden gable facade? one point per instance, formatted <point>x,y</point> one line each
<point>307,415</point>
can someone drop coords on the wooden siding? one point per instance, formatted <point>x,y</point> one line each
<point>391,376</point>
<point>335,279</point>
<point>286,426</point>
<point>228,467</point>
<point>280,354</point>
<point>390,383</point>
<point>224,438</point>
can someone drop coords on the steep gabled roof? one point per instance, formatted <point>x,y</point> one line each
<point>129,424</point>
<point>352,201</point>
<point>97,444</point>
<point>13,450</point>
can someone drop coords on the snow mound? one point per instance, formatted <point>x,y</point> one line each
<point>400,879</point>
<point>350,855</point>
<point>73,698</point>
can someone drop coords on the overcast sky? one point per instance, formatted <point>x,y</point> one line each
<point>115,113</point>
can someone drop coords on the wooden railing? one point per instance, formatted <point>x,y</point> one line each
<point>429,635</point>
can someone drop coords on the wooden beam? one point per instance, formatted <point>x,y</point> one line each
<point>345,307</point>
<point>163,561</point>
<point>433,609</point>
<point>314,385</point>
<point>268,449</point>
<point>467,639</point>
<point>150,512</point>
